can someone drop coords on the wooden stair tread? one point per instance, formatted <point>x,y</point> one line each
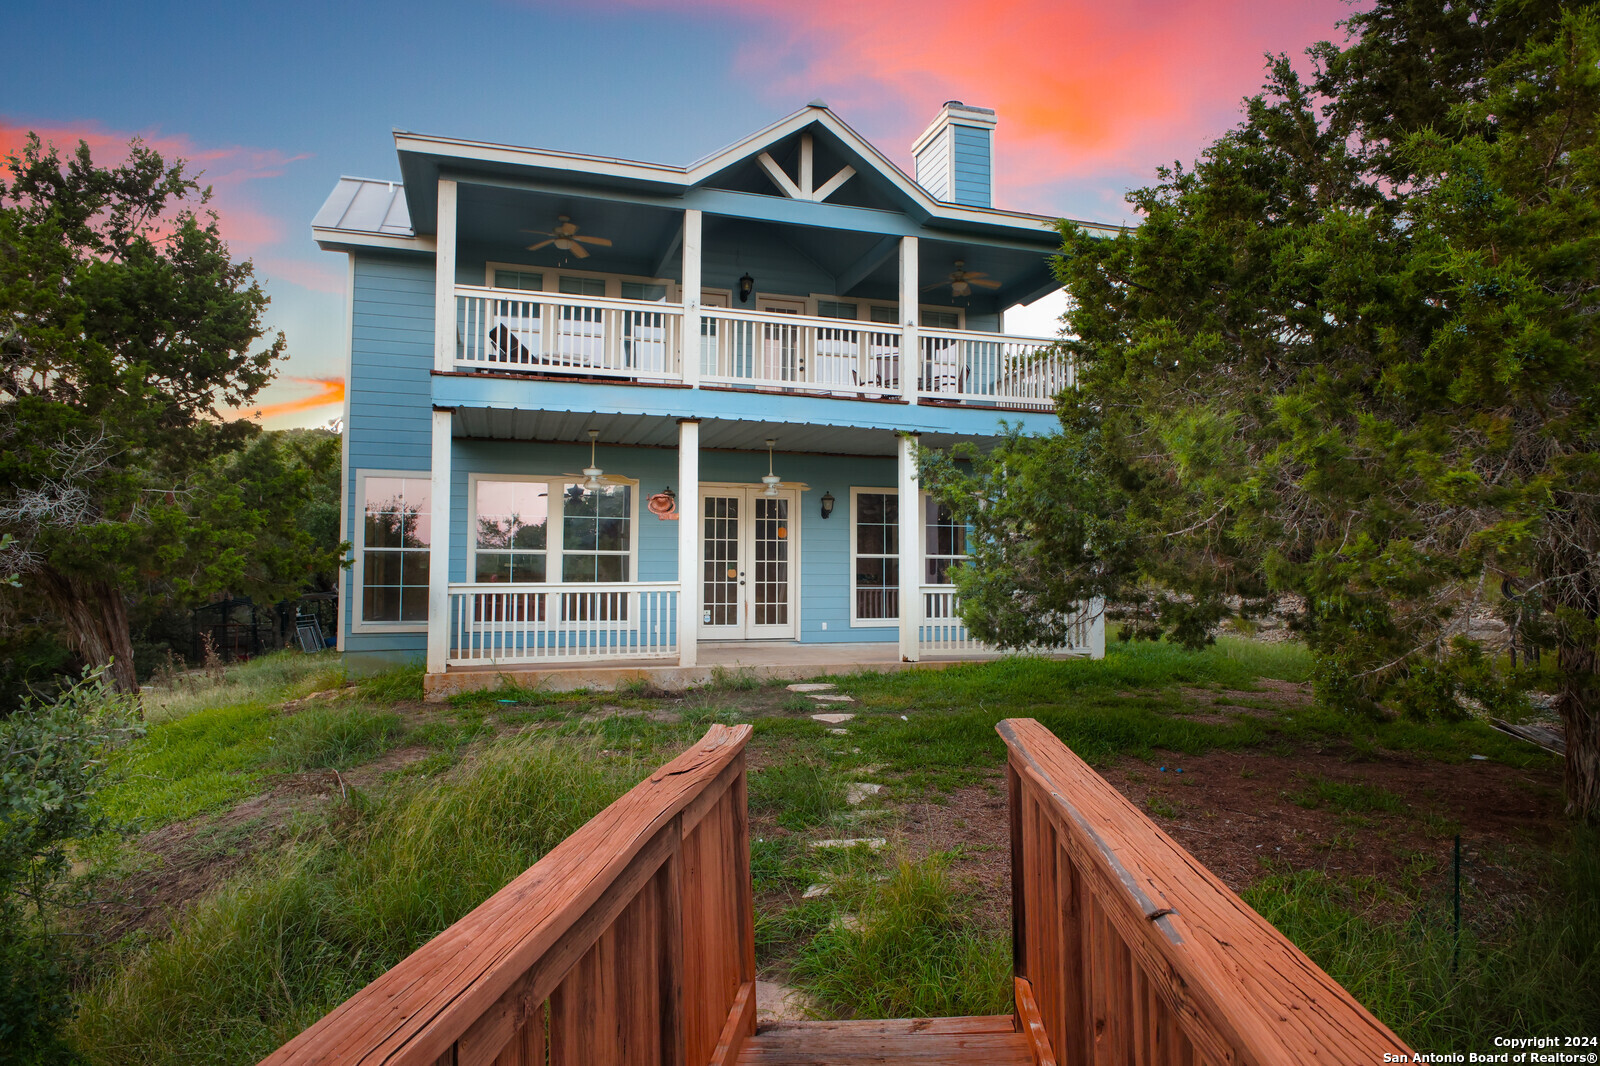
<point>990,1040</point>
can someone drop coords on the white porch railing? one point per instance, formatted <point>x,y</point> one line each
<point>592,336</point>
<point>496,624</point>
<point>991,369</point>
<point>500,329</point>
<point>942,632</point>
<point>796,352</point>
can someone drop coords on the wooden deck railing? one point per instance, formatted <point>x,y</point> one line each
<point>632,941</point>
<point>1127,950</point>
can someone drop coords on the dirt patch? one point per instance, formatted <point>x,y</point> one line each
<point>1241,812</point>
<point>182,862</point>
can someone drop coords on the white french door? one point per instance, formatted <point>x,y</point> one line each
<point>749,563</point>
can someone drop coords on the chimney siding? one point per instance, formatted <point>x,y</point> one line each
<point>955,156</point>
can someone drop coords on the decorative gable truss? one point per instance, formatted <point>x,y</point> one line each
<point>806,189</point>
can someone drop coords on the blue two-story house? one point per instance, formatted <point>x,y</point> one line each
<point>604,413</point>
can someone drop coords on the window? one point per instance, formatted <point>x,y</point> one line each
<point>875,555</point>
<point>639,290</point>
<point>941,319</point>
<point>547,529</point>
<point>596,533</point>
<point>836,309</point>
<point>886,314</point>
<point>512,519</point>
<point>397,519</point>
<point>519,279</point>
<point>944,540</point>
<point>579,286</point>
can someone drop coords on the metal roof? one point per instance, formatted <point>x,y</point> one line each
<point>366,205</point>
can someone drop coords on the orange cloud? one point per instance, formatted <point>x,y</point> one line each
<point>329,392</point>
<point>1081,87</point>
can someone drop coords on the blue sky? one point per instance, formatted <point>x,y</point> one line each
<point>276,101</point>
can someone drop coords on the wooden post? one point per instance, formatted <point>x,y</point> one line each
<point>689,532</point>
<point>439,545</point>
<point>444,279</point>
<point>689,335</point>
<point>910,551</point>
<point>910,346</point>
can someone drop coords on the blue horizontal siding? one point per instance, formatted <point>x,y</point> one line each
<point>390,424</point>
<point>971,178</point>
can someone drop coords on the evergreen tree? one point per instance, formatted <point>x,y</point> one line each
<point>1351,355</point>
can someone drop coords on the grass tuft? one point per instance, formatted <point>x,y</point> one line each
<point>272,952</point>
<point>800,794</point>
<point>910,953</point>
<point>337,737</point>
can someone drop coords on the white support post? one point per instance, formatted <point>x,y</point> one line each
<point>692,225</point>
<point>688,537</point>
<point>439,546</point>
<point>910,347</point>
<point>444,279</point>
<point>910,551</point>
<point>1097,629</point>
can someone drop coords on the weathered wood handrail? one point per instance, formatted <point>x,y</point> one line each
<point>633,940</point>
<point>1134,952</point>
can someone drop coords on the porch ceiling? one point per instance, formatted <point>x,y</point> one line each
<point>661,431</point>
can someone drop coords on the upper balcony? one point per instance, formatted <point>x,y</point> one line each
<point>556,336</point>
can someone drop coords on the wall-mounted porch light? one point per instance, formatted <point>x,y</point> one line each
<point>827,504</point>
<point>747,285</point>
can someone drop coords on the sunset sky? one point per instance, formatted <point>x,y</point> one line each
<point>275,101</point>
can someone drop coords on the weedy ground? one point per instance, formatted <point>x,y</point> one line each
<point>294,833</point>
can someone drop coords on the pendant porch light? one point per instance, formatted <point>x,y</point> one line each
<point>771,481</point>
<point>592,472</point>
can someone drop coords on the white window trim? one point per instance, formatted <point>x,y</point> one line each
<point>358,623</point>
<point>864,312</point>
<point>554,528</point>
<point>857,622</point>
<point>552,285</point>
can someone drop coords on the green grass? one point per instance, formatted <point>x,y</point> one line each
<point>282,675</point>
<point>250,967</point>
<point>334,737</point>
<point>185,766</point>
<point>1539,976</point>
<point>1356,797</point>
<point>913,952</point>
<point>801,794</point>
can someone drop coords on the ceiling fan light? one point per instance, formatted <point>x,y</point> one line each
<point>960,288</point>
<point>771,481</point>
<point>593,473</point>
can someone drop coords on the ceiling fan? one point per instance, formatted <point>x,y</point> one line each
<point>566,237</point>
<point>962,280</point>
<point>593,477</point>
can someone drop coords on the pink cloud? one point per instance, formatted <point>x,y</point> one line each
<point>228,170</point>
<point>328,393</point>
<point>1081,87</point>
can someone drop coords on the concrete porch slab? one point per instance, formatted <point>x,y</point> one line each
<point>782,660</point>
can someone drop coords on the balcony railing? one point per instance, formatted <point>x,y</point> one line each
<point>500,625</point>
<point>551,333</point>
<point>588,336</point>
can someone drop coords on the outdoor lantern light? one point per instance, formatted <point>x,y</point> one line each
<point>771,481</point>
<point>827,504</point>
<point>592,472</point>
<point>747,285</point>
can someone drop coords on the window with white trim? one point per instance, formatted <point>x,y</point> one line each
<point>874,556</point>
<point>396,527</point>
<point>944,542</point>
<point>511,534</point>
<point>547,529</point>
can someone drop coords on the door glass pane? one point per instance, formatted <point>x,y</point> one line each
<point>720,595</point>
<point>771,562</point>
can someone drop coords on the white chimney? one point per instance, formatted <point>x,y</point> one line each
<point>955,155</point>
